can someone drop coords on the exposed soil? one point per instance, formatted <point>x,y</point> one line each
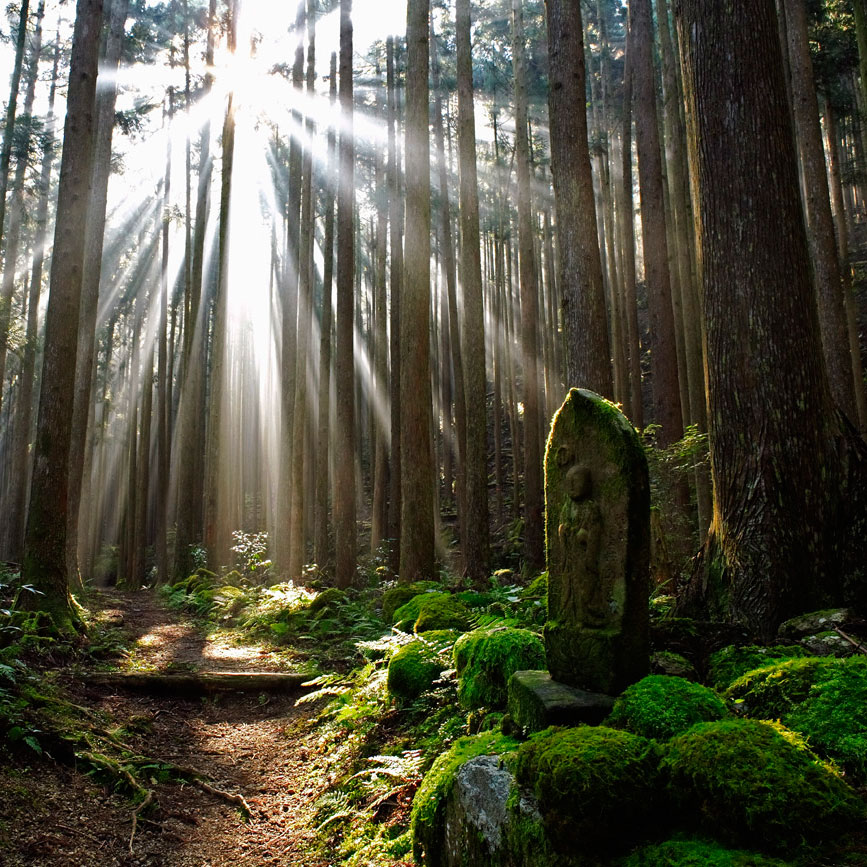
<point>261,747</point>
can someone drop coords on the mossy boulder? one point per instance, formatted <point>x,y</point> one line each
<point>330,598</point>
<point>413,669</point>
<point>430,803</point>
<point>833,717</point>
<point>399,595</point>
<point>661,707</point>
<point>485,659</point>
<point>771,692</point>
<point>748,784</point>
<point>445,612</point>
<point>672,664</point>
<point>732,662</point>
<point>695,853</point>
<point>817,621</point>
<point>595,785</point>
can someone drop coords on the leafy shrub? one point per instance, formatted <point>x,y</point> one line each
<point>595,785</point>
<point>730,663</point>
<point>747,783</point>
<point>661,707</point>
<point>485,659</point>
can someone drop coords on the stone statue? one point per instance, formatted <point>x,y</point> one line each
<point>598,548</point>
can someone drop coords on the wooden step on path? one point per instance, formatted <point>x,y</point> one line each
<point>194,683</point>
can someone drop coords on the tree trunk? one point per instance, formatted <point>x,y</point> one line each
<point>344,450</point>
<point>789,473</point>
<point>417,473</point>
<point>588,355</point>
<point>45,538</point>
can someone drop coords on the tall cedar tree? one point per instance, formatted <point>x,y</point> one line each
<point>588,356</point>
<point>344,452</point>
<point>44,564</point>
<point>790,475</point>
<point>417,473</point>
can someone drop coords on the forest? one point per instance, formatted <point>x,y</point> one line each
<point>433,432</point>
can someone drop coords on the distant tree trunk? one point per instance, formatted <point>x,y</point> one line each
<point>344,445</point>
<point>320,543</point>
<point>190,424</point>
<point>663,357</point>
<point>476,542</point>
<point>297,548</point>
<point>5,158</point>
<point>395,223</point>
<point>826,265</point>
<point>20,481</point>
<point>417,473</point>
<point>45,539</point>
<point>216,533</point>
<point>588,356</point>
<point>789,472</point>
<point>533,547</point>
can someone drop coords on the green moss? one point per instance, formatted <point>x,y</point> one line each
<point>730,663</point>
<point>537,589</point>
<point>410,610</point>
<point>474,599</point>
<point>485,660</point>
<point>399,595</point>
<point>413,669</point>
<point>595,785</point>
<point>771,692</point>
<point>661,707</point>
<point>834,715</point>
<point>444,612</point>
<point>668,662</point>
<point>428,806</point>
<point>748,784</point>
<point>695,853</point>
<point>330,598</point>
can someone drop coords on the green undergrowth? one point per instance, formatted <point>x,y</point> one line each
<point>731,663</point>
<point>688,852</point>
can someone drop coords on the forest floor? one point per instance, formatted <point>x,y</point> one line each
<point>262,747</point>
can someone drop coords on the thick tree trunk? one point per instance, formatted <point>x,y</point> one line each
<point>588,355</point>
<point>45,538</point>
<point>663,355</point>
<point>789,473</point>
<point>344,451</point>
<point>417,473</point>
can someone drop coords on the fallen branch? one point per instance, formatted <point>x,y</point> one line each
<point>200,683</point>
<point>854,642</point>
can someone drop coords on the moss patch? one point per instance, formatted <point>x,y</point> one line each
<point>486,659</point>
<point>748,784</point>
<point>695,853</point>
<point>661,707</point>
<point>730,663</point>
<point>417,665</point>
<point>397,596</point>
<point>445,612</point>
<point>771,692</point>
<point>428,806</point>
<point>595,785</point>
<point>327,599</point>
<point>834,715</point>
<point>410,610</point>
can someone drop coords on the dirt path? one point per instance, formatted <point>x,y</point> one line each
<point>259,746</point>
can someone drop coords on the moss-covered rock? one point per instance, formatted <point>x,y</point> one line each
<point>730,663</point>
<point>412,610</point>
<point>430,801</point>
<point>672,664</point>
<point>748,784</point>
<point>817,621</point>
<point>771,692</point>
<point>444,612</point>
<point>834,715</point>
<point>595,785</point>
<point>485,659</point>
<point>399,595</point>
<point>661,707</point>
<point>413,669</point>
<point>330,598</point>
<point>695,853</point>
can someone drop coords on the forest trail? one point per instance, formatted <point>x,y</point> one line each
<point>256,745</point>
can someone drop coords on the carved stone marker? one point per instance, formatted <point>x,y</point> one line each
<point>597,502</point>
